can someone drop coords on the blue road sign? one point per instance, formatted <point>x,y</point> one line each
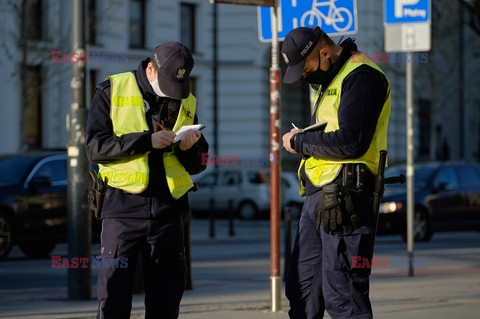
<point>407,11</point>
<point>335,17</point>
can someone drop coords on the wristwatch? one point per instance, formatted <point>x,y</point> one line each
<point>292,141</point>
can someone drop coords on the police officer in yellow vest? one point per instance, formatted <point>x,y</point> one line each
<point>130,134</point>
<point>336,173</point>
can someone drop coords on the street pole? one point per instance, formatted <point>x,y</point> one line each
<point>79,216</point>
<point>461,82</point>
<point>410,163</point>
<point>275,279</point>
<point>215,80</point>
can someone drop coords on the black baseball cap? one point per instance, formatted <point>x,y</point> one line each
<point>174,62</point>
<point>296,47</point>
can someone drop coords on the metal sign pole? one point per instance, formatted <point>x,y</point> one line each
<point>79,216</point>
<point>408,33</point>
<point>410,163</point>
<point>275,279</point>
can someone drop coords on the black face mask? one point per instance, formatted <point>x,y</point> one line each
<point>320,77</point>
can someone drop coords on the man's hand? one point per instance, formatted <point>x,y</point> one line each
<point>189,138</point>
<point>286,140</point>
<point>162,139</point>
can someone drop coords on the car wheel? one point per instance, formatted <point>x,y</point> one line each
<point>37,249</point>
<point>247,210</point>
<point>6,236</point>
<point>422,227</point>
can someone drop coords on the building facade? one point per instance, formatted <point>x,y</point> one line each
<point>231,74</point>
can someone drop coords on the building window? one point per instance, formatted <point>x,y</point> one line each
<point>187,25</point>
<point>32,20</point>
<point>32,117</point>
<point>92,22</point>
<point>137,24</point>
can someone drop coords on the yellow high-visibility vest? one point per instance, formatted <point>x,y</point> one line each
<point>127,112</point>
<point>321,171</point>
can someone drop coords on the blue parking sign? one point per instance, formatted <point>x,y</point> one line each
<point>407,11</point>
<point>335,17</point>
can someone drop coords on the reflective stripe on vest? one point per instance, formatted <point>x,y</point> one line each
<point>321,171</point>
<point>128,116</point>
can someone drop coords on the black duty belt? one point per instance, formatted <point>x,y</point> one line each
<point>357,176</point>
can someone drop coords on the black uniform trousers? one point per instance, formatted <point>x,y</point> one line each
<point>160,242</point>
<point>320,276</point>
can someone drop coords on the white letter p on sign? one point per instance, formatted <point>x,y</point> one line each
<point>399,4</point>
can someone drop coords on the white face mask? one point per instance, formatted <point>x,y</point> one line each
<point>156,89</point>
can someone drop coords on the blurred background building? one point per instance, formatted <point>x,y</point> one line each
<point>230,78</point>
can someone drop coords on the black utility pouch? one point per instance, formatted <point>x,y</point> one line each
<point>96,194</point>
<point>349,175</point>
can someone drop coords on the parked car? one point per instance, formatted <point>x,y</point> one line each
<point>447,197</point>
<point>33,202</point>
<point>247,189</point>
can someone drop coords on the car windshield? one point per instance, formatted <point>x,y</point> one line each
<point>14,169</point>
<point>422,175</point>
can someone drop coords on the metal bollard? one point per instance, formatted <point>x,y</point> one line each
<point>212,218</point>
<point>288,239</point>
<point>188,255</point>
<point>231,230</point>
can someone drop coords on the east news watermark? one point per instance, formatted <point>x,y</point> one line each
<point>390,57</point>
<point>239,159</point>
<point>392,262</point>
<point>86,262</point>
<point>91,56</point>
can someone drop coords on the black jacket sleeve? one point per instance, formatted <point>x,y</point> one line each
<point>102,146</point>
<point>363,93</point>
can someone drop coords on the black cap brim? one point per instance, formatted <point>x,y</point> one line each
<point>294,72</point>
<point>174,89</point>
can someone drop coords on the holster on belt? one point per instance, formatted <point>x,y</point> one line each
<point>357,176</point>
<point>96,194</point>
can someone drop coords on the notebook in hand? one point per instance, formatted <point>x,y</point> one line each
<point>183,129</point>
<point>315,127</point>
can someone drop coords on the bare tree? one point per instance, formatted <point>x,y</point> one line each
<point>37,29</point>
<point>27,40</point>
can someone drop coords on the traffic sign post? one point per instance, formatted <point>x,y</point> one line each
<point>407,37</point>
<point>407,29</point>
<point>407,25</point>
<point>275,207</point>
<point>335,17</point>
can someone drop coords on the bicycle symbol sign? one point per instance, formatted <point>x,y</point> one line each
<point>335,17</point>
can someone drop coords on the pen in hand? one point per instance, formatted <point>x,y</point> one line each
<point>294,126</point>
<point>158,122</point>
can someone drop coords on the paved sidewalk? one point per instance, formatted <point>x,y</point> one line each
<point>448,288</point>
<point>398,297</point>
